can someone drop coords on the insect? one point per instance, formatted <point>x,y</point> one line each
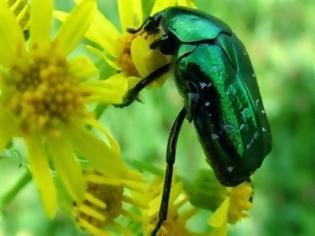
<point>214,75</point>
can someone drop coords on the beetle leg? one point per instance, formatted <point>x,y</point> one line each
<point>163,39</point>
<point>134,31</point>
<point>170,160</point>
<point>133,93</point>
<point>150,25</point>
<point>166,44</point>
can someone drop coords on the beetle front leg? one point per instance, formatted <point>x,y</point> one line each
<point>133,93</point>
<point>150,25</point>
<point>166,44</point>
<point>170,160</point>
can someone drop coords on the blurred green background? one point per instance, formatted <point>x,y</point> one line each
<point>280,38</point>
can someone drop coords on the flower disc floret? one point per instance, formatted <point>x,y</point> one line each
<point>106,199</point>
<point>44,92</point>
<point>240,202</point>
<point>125,59</point>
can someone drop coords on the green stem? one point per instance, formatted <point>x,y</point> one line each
<point>15,189</point>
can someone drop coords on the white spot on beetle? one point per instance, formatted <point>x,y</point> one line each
<point>242,127</point>
<point>205,85</point>
<point>230,168</point>
<point>214,136</point>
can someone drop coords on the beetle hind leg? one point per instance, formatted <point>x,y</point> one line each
<point>170,160</point>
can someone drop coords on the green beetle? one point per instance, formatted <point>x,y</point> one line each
<point>214,75</point>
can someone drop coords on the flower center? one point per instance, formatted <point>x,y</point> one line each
<point>125,60</point>
<point>43,91</point>
<point>102,203</point>
<point>173,227</point>
<point>240,202</point>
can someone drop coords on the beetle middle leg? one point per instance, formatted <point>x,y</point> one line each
<point>133,93</point>
<point>170,160</point>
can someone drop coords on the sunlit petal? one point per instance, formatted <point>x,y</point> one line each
<point>145,59</point>
<point>40,22</point>
<point>186,3</point>
<point>219,217</point>
<point>75,26</point>
<point>102,55</point>
<point>83,67</point>
<point>98,152</point>
<point>39,167</point>
<point>107,135</point>
<point>161,5</point>
<point>104,33</point>
<point>6,130</point>
<point>68,168</point>
<point>11,37</point>
<point>130,13</point>
<point>111,90</point>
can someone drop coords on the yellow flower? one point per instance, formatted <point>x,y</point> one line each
<point>179,210</point>
<point>43,100</point>
<point>21,10</point>
<point>106,199</point>
<point>162,4</point>
<point>235,206</point>
<point>129,54</point>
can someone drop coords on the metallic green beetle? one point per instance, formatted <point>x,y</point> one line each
<point>214,75</point>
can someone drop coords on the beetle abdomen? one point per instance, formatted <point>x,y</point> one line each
<point>229,117</point>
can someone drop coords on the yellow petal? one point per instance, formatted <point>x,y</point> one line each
<point>219,217</point>
<point>102,55</point>
<point>222,231</point>
<point>130,13</point>
<point>23,15</point>
<point>84,66</point>
<point>133,81</point>
<point>138,13</point>
<point>100,154</point>
<point>39,168</point>
<point>107,135</point>
<point>11,37</point>
<point>186,3</point>
<point>147,60</point>
<point>6,131</point>
<point>160,5</point>
<point>40,22</point>
<point>75,27</point>
<point>60,15</point>
<point>67,167</point>
<point>101,31</point>
<point>104,33</point>
<point>110,91</point>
